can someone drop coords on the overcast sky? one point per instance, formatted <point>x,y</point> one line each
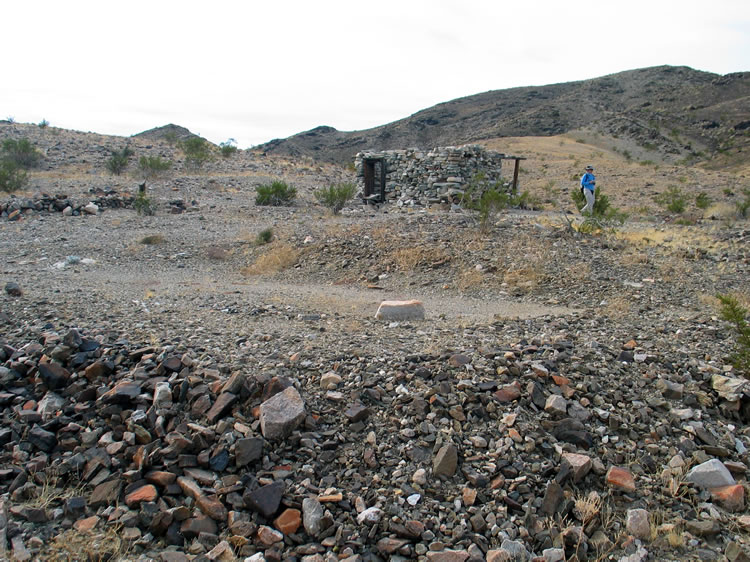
<point>255,71</point>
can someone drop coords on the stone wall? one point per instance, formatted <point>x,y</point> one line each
<point>431,176</point>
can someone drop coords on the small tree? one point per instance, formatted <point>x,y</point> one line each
<point>12,177</point>
<point>197,152</point>
<point>336,196</point>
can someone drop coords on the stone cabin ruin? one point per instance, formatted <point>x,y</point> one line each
<point>429,176</point>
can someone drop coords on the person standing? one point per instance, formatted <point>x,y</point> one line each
<point>588,185</point>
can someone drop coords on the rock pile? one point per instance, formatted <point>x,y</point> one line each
<point>15,208</point>
<point>502,452</point>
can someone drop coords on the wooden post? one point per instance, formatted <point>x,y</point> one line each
<point>515,175</point>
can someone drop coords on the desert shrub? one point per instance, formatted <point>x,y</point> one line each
<point>673,199</point>
<point>197,152</point>
<point>143,204</point>
<point>264,237</point>
<point>335,196</point>
<point>228,148</point>
<point>604,217</point>
<point>12,178</point>
<point>43,124</point>
<point>152,239</point>
<point>735,314</point>
<point>702,201</point>
<point>21,152</point>
<point>744,205</point>
<point>275,194</point>
<point>118,161</point>
<point>152,166</point>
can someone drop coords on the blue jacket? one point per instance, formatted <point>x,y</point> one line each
<point>588,181</point>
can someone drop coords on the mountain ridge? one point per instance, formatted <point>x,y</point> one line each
<point>678,112</point>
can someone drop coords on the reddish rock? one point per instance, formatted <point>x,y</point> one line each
<point>390,545</point>
<point>267,536</point>
<point>731,498</point>
<point>145,493</point>
<point>620,478</point>
<point>85,525</point>
<point>579,465</point>
<point>212,507</point>
<point>289,521</point>
<point>161,478</point>
<point>508,393</point>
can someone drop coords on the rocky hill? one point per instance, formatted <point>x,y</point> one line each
<point>675,111</point>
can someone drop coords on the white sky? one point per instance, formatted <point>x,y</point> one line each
<point>255,70</point>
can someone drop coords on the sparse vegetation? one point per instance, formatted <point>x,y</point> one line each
<point>744,205</point>
<point>150,167</point>
<point>335,196</point>
<point>276,259</point>
<point>702,201</point>
<point>228,148</point>
<point>43,124</point>
<point>673,199</point>
<point>264,237</point>
<point>21,152</point>
<point>197,152</point>
<point>12,178</point>
<point>736,315</point>
<point>275,194</point>
<point>143,204</point>
<point>152,239</point>
<point>118,161</point>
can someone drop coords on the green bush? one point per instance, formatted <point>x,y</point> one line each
<point>702,201</point>
<point>12,177</point>
<point>21,152</point>
<point>275,194</point>
<point>264,237</point>
<point>673,199</point>
<point>335,196</point>
<point>43,124</point>
<point>119,160</point>
<point>197,152</point>
<point>152,166</point>
<point>744,205</point>
<point>735,314</point>
<point>228,148</point>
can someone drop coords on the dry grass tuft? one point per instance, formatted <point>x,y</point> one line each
<point>524,279</point>
<point>587,507</point>
<point>277,259</point>
<point>617,307</point>
<point>408,259</point>
<point>93,546</point>
<point>469,279</point>
<point>217,253</point>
